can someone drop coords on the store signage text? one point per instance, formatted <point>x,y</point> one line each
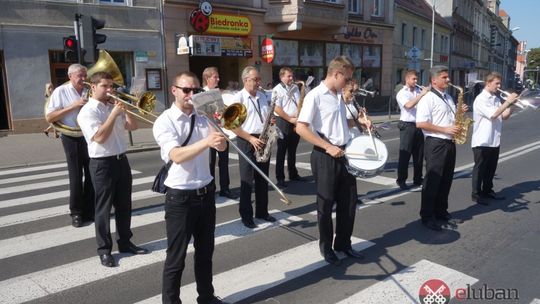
<point>362,34</point>
<point>229,25</point>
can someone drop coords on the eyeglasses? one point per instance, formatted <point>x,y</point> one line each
<point>189,90</point>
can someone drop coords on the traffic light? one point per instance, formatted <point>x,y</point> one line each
<point>70,49</point>
<point>91,39</point>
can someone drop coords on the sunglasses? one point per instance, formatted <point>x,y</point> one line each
<point>189,90</point>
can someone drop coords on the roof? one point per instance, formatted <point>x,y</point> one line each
<point>503,13</point>
<point>422,8</point>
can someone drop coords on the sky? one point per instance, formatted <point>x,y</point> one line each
<point>526,15</point>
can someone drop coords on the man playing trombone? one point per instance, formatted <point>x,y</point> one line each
<point>411,139</point>
<point>190,205</point>
<point>103,125</point>
<point>488,114</point>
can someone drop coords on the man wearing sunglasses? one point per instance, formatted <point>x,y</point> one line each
<point>190,207</point>
<point>248,133</point>
<point>210,81</point>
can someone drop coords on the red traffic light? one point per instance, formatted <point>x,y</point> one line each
<point>69,43</point>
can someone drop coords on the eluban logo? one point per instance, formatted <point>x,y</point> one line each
<point>434,291</point>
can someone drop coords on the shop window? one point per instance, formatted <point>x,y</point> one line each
<point>372,57</point>
<point>118,2</point>
<point>286,52</point>
<point>332,51</point>
<point>378,6</point>
<point>355,7</point>
<point>311,53</point>
<point>353,51</point>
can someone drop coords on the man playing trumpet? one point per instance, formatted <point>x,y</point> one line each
<point>488,114</point>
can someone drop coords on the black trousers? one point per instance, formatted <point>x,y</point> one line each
<point>440,163</point>
<point>247,176</point>
<point>411,142</point>
<point>286,146</point>
<point>485,165</point>
<point>334,185</point>
<point>112,184</point>
<point>187,215</point>
<point>81,193</point>
<point>223,164</point>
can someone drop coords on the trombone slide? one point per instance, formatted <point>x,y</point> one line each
<point>131,112</point>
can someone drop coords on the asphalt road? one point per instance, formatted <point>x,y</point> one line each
<point>494,251</point>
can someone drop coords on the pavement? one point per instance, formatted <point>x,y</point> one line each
<point>19,150</point>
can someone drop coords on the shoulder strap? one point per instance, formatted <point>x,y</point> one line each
<point>442,97</point>
<point>191,127</point>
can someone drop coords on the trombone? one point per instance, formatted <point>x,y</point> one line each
<point>144,104</point>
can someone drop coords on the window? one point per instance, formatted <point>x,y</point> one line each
<point>354,7</point>
<point>434,42</point>
<point>114,1</point>
<point>377,10</point>
<point>423,39</point>
<point>414,36</point>
<point>403,33</point>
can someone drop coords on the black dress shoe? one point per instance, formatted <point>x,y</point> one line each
<point>402,185</point>
<point>131,248</point>
<point>107,260</point>
<point>494,196</point>
<point>76,221</point>
<point>216,300</point>
<point>249,223</point>
<point>282,184</point>
<point>268,218</point>
<point>418,182</point>
<point>352,253</point>
<point>431,224</point>
<point>445,218</point>
<point>297,178</point>
<point>331,258</point>
<point>228,194</point>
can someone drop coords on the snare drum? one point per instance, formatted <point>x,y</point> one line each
<point>363,159</point>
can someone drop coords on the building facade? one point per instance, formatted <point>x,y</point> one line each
<point>31,50</point>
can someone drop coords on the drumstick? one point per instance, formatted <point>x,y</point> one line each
<point>362,154</point>
<point>370,135</point>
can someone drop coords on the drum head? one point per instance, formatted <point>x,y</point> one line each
<point>361,154</point>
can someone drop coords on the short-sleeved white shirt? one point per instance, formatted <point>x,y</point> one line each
<point>486,131</point>
<point>433,109</point>
<point>326,114</point>
<point>92,116</point>
<point>287,98</point>
<point>257,111</point>
<point>403,96</point>
<point>62,97</point>
<point>170,130</point>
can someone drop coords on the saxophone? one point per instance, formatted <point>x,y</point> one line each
<point>268,135</point>
<point>461,120</point>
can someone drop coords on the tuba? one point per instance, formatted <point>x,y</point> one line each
<point>461,120</point>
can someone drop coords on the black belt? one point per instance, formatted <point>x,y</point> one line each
<point>437,138</point>
<point>408,122</point>
<point>210,188</point>
<point>118,157</point>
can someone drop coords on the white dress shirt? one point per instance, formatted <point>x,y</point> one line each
<point>326,114</point>
<point>62,97</point>
<point>92,116</point>
<point>257,110</point>
<point>287,98</point>
<point>486,131</point>
<point>403,96</point>
<point>433,109</point>
<point>170,130</point>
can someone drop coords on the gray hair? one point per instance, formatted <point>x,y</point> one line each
<point>75,68</point>
<point>207,73</point>
<point>437,70</point>
<point>247,70</point>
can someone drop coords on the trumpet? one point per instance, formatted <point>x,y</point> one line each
<point>421,87</point>
<point>522,104</point>
<point>363,92</point>
<point>144,104</point>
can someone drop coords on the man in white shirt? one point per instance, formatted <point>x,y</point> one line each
<point>323,122</point>
<point>257,106</point>
<point>411,139</point>
<point>488,114</point>
<point>210,77</point>
<point>103,125</point>
<point>64,105</point>
<point>190,207</point>
<point>287,100</point>
<point>435,115</point>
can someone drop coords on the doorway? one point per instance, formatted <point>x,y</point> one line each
<point>227,67</point>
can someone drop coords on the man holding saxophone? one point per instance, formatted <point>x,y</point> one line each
<point>64,105</point>
<point>488,114</point>
<point>249,133</point>
<point>435,115</point>
<point>287,101</point>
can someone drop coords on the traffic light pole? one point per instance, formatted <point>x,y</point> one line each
<point>78,35</point>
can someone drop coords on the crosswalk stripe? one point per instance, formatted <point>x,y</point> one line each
<point>29,216</point>
<point>48,184</point>
<point>535,301</point>
<point>31,169</point>
<point>404,286</point>
<point>67,234</point>
<point>32,177</point>
<point>244,281</point>
<point>42,283</point>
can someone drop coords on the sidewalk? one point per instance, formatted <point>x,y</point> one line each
<point>33,149</point>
